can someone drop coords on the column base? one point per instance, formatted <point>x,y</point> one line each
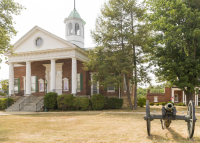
<point>27,94</point>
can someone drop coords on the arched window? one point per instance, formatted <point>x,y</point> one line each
<point>77,30</point>
<point>70,30</point>
<point>83,31</point>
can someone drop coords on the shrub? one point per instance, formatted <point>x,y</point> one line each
<point>81,103</point>
<point>163,103</point>
<point>142,102</point>
<point>4,102</point>
<point>184,104</point>
<point>151,103</point>
<point>171,102</point>
<point>2,94</point>
<point>160,103</point>
<point>179,104</point>
<point>98,101</point>
<point>65,101</point>
<point>157,104</point>
<point>113,103</point>
<point>50,100</point>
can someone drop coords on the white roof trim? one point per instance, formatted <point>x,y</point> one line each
<point>48,33</point>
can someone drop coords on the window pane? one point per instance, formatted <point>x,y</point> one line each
<point>78,81</point>
<point>16,85</point>
<point>65,85</point>
<point>32,79</point>
<point>32,87</point>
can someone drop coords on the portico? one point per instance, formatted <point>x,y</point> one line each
<point>46,54</point>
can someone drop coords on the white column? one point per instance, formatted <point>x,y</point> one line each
<point>74,75</point>
<point>197,99</point>
<point>11,78</point>
<point>172,95</point>
<point>183,97</point>
<point>28,78</point>
<point>53,74</point>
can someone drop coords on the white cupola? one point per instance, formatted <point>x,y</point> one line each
<point>74,29</point>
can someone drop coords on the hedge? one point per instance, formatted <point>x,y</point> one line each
<point>2,94</point>
<point>81,103</point>
<point>98,101</point>
<point>113,103</point>
<point>4,102</point>
<point>50,100</point>
<point>65,102</point>
<point>151,103</point>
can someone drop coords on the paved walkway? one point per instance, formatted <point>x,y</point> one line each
<point>2,113</point>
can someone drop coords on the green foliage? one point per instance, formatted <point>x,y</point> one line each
<point>181,104</point>
<point>176,42</point>
<point>160,103</point>
<point>163,103</point>
<point>81,103</point>
<point>151,103</point>
<point>117,33</point>
<point>141,92</point>
<point>2,94</point>
<point>142,102</point>
<point>50,100</point>
<point>4,102</point>
<point>171,102</point>
<point>97,101</point>
<point>184,104</point>
<point>4,83</point>
<point>157,104</point>
<point>8,8</point>
<point>113,103</point>
<point>65,102</point>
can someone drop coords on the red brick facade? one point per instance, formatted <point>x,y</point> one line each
<point>37,69</point>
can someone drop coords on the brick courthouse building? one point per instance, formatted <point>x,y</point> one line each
<point>42,57</point>
<point>173,94</point>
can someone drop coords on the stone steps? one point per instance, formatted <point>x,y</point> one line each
<point>28,107</point>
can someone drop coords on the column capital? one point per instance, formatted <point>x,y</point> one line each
<point>74,57</point>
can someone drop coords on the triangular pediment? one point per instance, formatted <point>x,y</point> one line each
<point>49,42</point>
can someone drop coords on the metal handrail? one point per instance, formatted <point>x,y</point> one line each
<point>24,103</point>
<point>39,104</point>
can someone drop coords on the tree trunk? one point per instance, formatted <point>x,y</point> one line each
<point>128,92</point>
<point>189,96</point>
<point>135,91</point>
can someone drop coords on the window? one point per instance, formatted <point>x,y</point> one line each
<point>65,84</point>
<point>16,85</point>
<point>155,98</point>
<point>78,82</point>
<point>33,83</point>
<point>77,31</point>
<point>70,30</point>
<point>83,31</point>
<point>176,98</point>
<point>38,42</point>
<point>124,84</point>
<point>41,85</point>
<point>111,88</point>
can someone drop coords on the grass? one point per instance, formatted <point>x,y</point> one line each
<point>89,127</point>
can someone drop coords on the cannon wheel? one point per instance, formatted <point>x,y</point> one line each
<point>148,118</point>
<point>191,123</point>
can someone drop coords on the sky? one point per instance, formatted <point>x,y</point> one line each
<point>50,15</point>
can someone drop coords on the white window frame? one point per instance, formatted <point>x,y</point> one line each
<point>32,83</point>
<point>65,81</point>
<point>17,85</point>
<point>175,98</point>
<point>41,81</point>
<point>155,98</point>
<point>78,82</point>
<point>108,90</point>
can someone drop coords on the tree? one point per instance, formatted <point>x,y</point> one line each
<point>176,45</point>
<point>8,8</point>
<point>119,35</point>
<point>4,83</point>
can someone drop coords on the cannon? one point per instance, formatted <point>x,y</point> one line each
<point>169,114</point>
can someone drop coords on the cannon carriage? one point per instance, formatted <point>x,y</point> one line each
<point>169,114</point>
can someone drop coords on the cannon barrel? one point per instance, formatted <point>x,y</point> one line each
<point>169,107</point>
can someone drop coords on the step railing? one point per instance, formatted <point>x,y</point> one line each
<point>25,102</point>
<point>39,104</point>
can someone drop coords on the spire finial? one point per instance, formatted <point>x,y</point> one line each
<point>74,5</point>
